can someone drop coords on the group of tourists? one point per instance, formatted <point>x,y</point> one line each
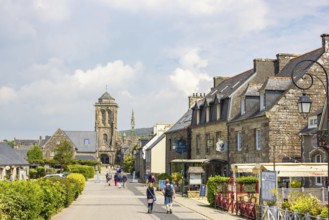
<point>120,179</point>
<point>168,191</point>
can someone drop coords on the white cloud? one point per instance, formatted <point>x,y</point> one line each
<point>54,11</point>
<point>189,78</point>
<point>7,94</point>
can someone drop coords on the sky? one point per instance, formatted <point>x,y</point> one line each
<point>58,57</point>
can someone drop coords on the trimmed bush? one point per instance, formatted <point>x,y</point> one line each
<point>21,200</point>
<point>212,187</point>
<point>80,180</point>
<point>86,171</point>
<point>164,176</point>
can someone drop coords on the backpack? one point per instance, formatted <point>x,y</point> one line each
<point>168,190</point>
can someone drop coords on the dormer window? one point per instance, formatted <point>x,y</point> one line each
<point>262,101</point>
<point>207,113</point>
<point>86,141</point>
<point>218,111</point>
<point>243,106</point>
<point>312,122</point>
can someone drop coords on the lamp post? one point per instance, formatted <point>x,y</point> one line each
<point>304,102</point>
<point>178,150</point>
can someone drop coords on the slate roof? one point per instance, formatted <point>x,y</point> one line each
<point>277,83</point>
<point>106,95</point>
<point>227,86</point>
<point>182,123</point>
<point>252,89</point>
<point>9,156</point>
<point>282,77</point>
<point>78,139</point>
<point>85,157</point>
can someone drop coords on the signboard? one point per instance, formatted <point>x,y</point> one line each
<point>180,146</point>
<point>162,184</point>
<point>203,191</point>
<point>195,179</point>
<point>268,185</point>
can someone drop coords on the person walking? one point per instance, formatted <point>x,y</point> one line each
<point>169,193</point>
<point>124,180</point>
<point>115,179</point>
<point>150,197</point>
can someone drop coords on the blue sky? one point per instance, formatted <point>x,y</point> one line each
<point>57,57</point>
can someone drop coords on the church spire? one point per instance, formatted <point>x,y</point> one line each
<point>132,122</point>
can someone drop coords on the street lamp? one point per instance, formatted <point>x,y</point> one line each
<point>304,103</point>
<point>178,150</point>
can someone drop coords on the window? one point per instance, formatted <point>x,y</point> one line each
<point>318,180</point>
<point>105,138</point>
<point>197,116</point>
<point>218,111</point>
<point>197,144</point>
<point>209,143</point>
<point>312,122</point>
<point>52,153</point>
<point>58,142</point>
<point>207,113</point>
<point>242,106</point>
<point>258,139</point>
<point>86,141</point>
<point>262,101</point>
<point>238,141</point>
<point>103,117</point>
<point>170,146</point>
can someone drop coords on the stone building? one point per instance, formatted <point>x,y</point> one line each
<point>210,115</point>
<point>109,141</point>
<point>268,125</point>
<point>103,144</point>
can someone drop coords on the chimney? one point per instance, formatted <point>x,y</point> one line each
<point>325,42</point>
<point>264,68</point>
<point>282,59</point>
<point>194,98</point>
<point>218,80</point>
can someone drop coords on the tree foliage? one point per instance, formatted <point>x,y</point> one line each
<point>128,163</point>
<point>64,153</point>
<point>35,153</point>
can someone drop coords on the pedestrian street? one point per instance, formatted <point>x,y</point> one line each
<point>101,201</point>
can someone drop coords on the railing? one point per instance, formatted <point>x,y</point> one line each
<point>274,213</point>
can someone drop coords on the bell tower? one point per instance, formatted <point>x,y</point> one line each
<point>106,110</point>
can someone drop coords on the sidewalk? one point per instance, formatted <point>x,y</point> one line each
<point>202,207</point>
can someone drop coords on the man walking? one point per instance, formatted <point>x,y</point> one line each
<point>169,193</point>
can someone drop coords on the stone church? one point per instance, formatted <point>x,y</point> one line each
<point>105,144</point>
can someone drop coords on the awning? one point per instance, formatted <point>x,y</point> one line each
<point>190,161</point>
<point>285,169</point>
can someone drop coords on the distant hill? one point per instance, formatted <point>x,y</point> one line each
<point>139,131</point>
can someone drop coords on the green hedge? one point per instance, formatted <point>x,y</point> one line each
<point>40,199</point>
<point>212,187</point>
<point>86,171</point>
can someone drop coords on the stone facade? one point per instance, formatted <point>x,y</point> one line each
<point>108,138</point>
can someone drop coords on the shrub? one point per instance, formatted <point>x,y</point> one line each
<point>212,187</point>
<point>164,176</point>
<point>41,171</point>
<point>296,184</point>
<point>86,171</point>
<point>79,178</point>
<point>54,196</point>
<point>33,173</point>
<point>324,212</point>
<point>176,177</point>
<point>21,200</point>
<point>306,204</point>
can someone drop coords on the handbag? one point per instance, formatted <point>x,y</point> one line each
<point>154,198</point>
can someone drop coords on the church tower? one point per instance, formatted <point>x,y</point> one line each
<point>132,123</point>
<point>106,110</point>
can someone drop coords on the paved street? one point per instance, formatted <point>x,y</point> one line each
<point>100,201</point>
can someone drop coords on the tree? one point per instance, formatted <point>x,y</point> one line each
<point>35,153</point>
<point>64,154</point>
<point>10,143</point>
<point>128,163</point>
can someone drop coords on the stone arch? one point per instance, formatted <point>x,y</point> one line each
<point>105,159</point>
